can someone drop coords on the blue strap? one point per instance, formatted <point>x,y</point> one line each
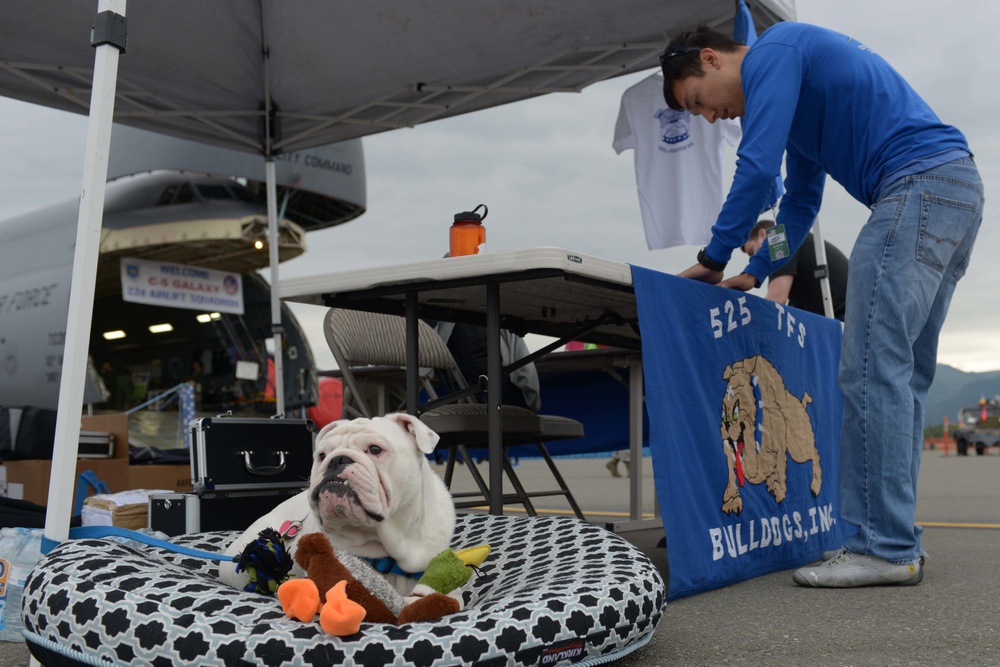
<point>387,565</point>
<point>96,532</point>
<point>384,565</point>
<point>87,480</point>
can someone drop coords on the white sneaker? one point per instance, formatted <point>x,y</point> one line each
<point>847,570</point>
<point>828,555</point>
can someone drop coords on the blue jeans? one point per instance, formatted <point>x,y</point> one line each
<point>902,273</point>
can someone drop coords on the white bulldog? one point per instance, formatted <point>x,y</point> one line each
<point>372,493</point>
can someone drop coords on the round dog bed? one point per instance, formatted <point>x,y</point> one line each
<point>553,590</point>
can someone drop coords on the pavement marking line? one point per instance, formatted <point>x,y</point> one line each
<point>949,524</point>
<point>565,512</point>
<point>649,515</point>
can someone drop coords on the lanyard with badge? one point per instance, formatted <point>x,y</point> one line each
<point>777,243</point>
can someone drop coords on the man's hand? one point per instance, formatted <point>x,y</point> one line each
<point>744,282</point>
<point>702,273</point>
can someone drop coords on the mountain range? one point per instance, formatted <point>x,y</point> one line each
<point>954,389</point>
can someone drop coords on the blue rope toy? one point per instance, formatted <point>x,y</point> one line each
<point>266,561</point>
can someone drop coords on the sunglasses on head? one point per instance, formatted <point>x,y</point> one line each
<point>679,52</point>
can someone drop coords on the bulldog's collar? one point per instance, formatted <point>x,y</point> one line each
<point>387,565</point>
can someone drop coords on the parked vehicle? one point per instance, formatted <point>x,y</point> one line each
<point>978,426</point>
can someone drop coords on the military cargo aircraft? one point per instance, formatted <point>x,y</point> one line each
<point>182,222</point>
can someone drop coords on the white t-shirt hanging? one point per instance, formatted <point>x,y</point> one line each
<point>678,165</point>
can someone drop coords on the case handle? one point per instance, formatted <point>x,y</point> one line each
<point>266,471</point>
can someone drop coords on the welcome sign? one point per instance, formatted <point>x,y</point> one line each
<point>181,286</point>
<point>745,411</point>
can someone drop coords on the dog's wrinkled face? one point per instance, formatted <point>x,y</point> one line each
<point>362,470</point>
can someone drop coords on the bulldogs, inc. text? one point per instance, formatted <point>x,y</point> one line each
<point>736,539</point>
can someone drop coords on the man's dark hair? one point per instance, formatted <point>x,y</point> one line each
<point>761,224</point>
<point>682,57</point>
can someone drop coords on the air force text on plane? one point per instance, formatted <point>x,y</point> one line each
<point>34,297</point>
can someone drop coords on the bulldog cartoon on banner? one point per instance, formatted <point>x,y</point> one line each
<point>789,431</point>
<point>750,489</point>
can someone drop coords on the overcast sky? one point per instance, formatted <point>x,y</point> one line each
<point>547,171</point>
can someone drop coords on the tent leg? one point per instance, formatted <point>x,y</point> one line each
<point>276,329</point>
<point>824,281</point>
<point>81,298</point>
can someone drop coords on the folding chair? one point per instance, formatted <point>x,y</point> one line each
<point>358,338</point>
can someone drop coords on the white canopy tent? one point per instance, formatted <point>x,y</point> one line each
<point>266,77</point>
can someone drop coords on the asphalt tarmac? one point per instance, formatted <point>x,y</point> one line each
<point>951,618</point>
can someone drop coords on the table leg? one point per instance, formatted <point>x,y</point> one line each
<point>494,393</point>
<point>635,406</point>
<point>635,386</point>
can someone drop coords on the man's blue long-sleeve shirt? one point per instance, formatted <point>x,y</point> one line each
<point>837,108</point>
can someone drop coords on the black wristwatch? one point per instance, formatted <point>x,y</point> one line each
<point>710,263</point>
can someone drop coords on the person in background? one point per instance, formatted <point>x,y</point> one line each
<point>197,380</point>
<point>796,283</point>
<point>623,456</point>
<point>830,105</point>
<point>107,374</point>
<point>123,391</point>
<point>467,343</point>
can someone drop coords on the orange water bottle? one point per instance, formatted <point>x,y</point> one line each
<point>467,232</point>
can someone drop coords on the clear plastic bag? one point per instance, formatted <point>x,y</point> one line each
<point>20,550</point>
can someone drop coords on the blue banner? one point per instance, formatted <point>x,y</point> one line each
<point>744,428</point>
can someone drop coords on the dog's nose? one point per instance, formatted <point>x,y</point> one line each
<point>337,464</point>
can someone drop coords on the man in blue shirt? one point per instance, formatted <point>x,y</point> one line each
<point>832,106</point>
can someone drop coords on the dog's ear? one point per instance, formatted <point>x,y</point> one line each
<point>425,438</point>
<point>329,427</point>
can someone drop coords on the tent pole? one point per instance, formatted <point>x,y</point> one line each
<point>81,298</point>
<point>272,242</point>
<point>822,268</point>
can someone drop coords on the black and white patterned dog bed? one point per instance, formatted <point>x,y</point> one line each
<point>553,591</point>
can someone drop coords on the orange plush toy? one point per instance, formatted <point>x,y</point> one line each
<point>343,601</point>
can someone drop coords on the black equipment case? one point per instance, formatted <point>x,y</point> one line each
<point>96,445</point>
<point>242,454</point>
<point>182,513</point>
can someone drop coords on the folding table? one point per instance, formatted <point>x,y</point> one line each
<point>554,292</point>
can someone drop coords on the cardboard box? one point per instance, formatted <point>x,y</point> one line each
<point>128,509</point>
<point>34,474</point>
<point>168,477</point>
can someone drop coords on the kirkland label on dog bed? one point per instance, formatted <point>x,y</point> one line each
<point>570,649</point>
